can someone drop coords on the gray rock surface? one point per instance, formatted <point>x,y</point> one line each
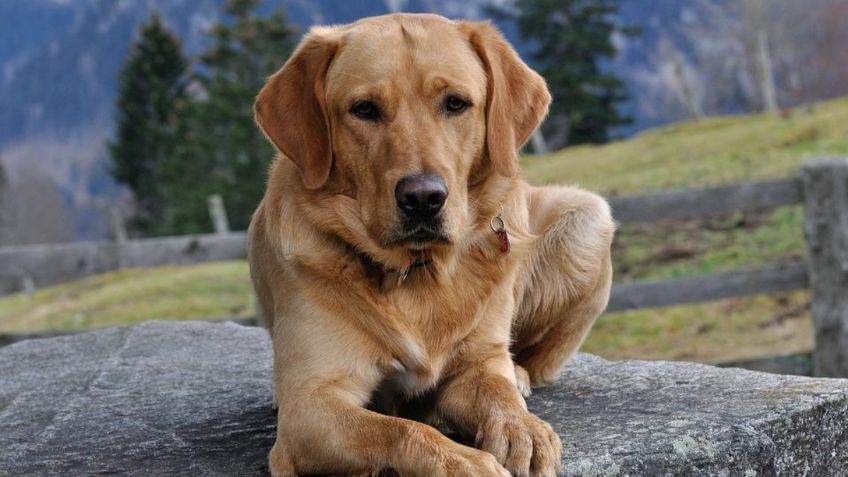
<point>194,398</point>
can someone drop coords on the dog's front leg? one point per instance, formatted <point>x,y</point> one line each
<point>482,401</point>
<point>329,434</point>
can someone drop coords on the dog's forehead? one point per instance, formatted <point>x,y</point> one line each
<point>408,45</point>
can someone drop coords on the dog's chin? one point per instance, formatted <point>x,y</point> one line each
<point>419,239</point>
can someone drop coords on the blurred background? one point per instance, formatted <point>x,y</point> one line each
<point>125,120</point>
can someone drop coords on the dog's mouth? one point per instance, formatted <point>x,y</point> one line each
<point>420,237</point>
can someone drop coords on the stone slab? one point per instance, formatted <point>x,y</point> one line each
<point>194,398</point>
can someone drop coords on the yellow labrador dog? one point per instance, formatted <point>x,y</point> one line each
<point>408,275</point>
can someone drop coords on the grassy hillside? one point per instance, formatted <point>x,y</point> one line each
<point>712,151</point>
<point>220,289</point>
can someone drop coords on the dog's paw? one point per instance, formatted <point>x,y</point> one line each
<point>526,445</point>
<point>470,462</point>
<point>522,381</point>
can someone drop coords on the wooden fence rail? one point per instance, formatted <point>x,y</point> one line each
<point>708,201</point>
<point>45,265</point>
<point>679,291</point>
<point>822,187</point>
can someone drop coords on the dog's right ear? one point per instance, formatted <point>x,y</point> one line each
<point>291,109</point>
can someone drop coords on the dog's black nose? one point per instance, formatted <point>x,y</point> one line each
<point>421,196</point>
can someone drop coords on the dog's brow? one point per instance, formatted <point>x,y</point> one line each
<point>370,83</point>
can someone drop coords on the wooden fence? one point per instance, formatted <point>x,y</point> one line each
<point>36,266</point>
<point>706,202</point>
<point>822,187</point>
<point>24,268</point>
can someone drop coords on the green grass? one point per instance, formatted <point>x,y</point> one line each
<point>678,248</point>
<point>726,330</point>
<point>712,151</point>
<point>215,290</point>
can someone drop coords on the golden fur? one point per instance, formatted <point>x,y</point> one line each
<point>365,359</point>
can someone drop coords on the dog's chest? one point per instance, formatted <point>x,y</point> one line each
<point>445,315</point>
<point>453,303</point>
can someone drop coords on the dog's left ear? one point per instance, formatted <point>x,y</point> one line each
<point>291,109</point>
<point>517,97</point>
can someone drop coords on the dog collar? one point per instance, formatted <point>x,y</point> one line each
<point>379,272</point>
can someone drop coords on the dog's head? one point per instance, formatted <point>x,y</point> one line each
<point>403,114</point>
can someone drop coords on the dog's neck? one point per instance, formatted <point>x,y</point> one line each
<point>386,277</point>
<point>420,262</point>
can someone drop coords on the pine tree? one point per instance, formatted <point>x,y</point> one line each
<point>151,93</point>
<point>224,152</point>
<point>570,38</point>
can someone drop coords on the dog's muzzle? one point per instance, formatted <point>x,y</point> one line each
<point>421,199</point>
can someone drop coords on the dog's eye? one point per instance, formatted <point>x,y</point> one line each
<point>366,110</point>
<point>455,104</point>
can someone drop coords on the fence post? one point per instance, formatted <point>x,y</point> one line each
<point>826,230</point>
<point>540,146</point>
<point>27,285</point>
<point>119,229</point>
<point>119,234</point>
<point>218,214</point>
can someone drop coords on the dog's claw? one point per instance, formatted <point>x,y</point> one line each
<point>522,381</point>
<point>473,463</point>
<point>524,444</point>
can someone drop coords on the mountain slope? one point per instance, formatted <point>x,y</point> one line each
<point>712,151</point>
<point>59,61</point>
